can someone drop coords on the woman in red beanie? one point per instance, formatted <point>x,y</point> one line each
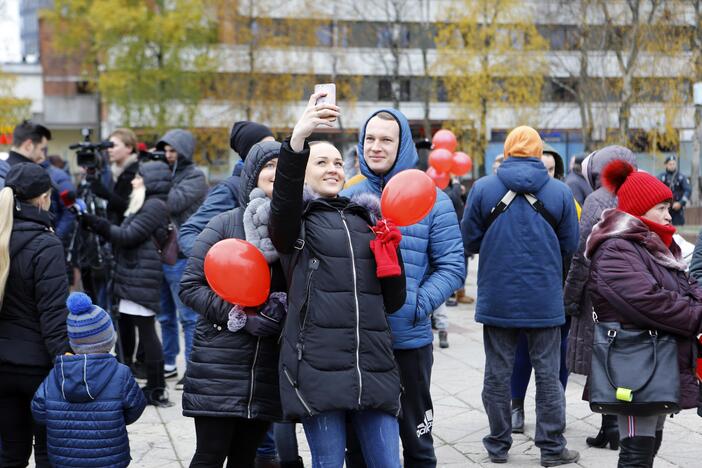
<point>637,278</point>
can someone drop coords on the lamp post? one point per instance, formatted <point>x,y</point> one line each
<point>696,145</point>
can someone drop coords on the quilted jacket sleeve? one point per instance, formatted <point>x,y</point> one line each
<point>620,277</point>
<point>188,191</point>
<point>50,293</point>
<point>142,226</point>
<point>133,401</point>
<point>696,263</point>
<point>39,404</point>
<point>195,292</point>
<point>287,202</point>
<point>579,272</point>
<point>447,264</point>
<point>218,201</point>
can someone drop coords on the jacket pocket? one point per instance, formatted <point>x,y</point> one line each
<point>293,384</point>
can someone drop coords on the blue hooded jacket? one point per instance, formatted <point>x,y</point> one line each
<point>520,274</point>
<point>86,402</point>
<point>431,249</point>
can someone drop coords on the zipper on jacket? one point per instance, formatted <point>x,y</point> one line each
<point>253,375</point>
<point>297,391</point>
<point>358,318</point>
<point>300,345</point>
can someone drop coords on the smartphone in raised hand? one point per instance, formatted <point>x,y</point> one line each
<point>330,89</point>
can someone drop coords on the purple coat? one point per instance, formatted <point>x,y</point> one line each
<point>637,281</point>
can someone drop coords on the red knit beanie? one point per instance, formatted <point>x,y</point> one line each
<point>637,192</point>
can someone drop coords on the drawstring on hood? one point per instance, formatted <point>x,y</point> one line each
<point>79,386</point>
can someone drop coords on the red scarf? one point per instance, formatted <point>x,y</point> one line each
<point>664,232</point>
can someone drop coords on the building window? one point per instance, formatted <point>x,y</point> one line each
<point>387,89</point>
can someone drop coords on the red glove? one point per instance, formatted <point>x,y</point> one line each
<point>384,247</point>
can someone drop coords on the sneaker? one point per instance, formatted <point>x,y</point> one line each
<point>170,373</point>
<point>498,458</point>
<point>157,397</point>
<point>180,383</point>
<point>451,302</point>
<point>564,458</point>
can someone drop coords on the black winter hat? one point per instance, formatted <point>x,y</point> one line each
<point>28,180</point>
<point>245,134</point>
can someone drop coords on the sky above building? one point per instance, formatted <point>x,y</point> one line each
<point>9,31</point>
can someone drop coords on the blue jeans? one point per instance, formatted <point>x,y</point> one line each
<point>266,448</point>
<point>170,306</point>
<point>378,433</point>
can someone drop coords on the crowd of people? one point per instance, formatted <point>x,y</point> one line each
<point>343,343</point>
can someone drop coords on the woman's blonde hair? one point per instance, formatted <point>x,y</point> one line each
<point>7,201</point>
<point>136,200</point>
<point>127,136</point>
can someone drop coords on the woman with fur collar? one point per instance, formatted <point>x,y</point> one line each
<point>336,359</point>
<point>637,278</point>
<point>231,382</point>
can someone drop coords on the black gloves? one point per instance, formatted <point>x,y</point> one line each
<point>98,225</point>
<point>269,320</point>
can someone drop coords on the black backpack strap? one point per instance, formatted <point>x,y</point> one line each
<point>500,208</point>
<point>541,209</point>
<point>298,247</point>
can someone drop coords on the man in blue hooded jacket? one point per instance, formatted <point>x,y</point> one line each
<point>432,252</point>
<point>519,288</point>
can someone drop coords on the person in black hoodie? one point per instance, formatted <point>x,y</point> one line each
<point>231,382</point>
<point>336,358</point>
<point>33,292</point>
<point>138,274</point>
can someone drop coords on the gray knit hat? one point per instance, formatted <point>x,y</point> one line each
<point>90,328</point>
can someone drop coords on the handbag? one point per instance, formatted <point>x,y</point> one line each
<point>634,372</point>
<point>169,249</point>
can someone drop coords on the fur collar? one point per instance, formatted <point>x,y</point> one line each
<point>618,224</point>
<point>366,200</point>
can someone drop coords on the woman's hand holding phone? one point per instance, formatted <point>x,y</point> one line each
<point>315,115</point>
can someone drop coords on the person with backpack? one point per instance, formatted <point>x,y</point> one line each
<point>336,360</point>
<point>138,274</point>
<point>520,287</point>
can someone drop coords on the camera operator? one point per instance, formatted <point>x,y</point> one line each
<point>124,166</point>
<point>29,142</point>
<point>138,273</point>
<point>188,192</point>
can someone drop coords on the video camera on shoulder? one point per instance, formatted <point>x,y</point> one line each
<point>146,156</point>
<point>88,153</point>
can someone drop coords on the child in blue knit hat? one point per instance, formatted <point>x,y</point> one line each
<point>88,398</point>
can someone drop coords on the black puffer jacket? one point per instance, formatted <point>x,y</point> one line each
<point>33,314</point>
<point>138,270</point>
<point>336,351</point>
<point>230,374</point>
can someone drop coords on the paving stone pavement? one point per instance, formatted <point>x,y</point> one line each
<point>165,438</point>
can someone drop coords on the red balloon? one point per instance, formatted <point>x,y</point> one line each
<point>441,179</point>
<point>238,272</point>
<point>462,163</point>
<point>445,139</point>
<point>441,160</point>
<point>408,197</point>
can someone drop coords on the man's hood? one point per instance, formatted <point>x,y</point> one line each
<point>559,170</point>
<point>258,156</point>
<point>181,140</point>
<point>597,160</point>
<point>523,175</point>
<point>406,152</point>
<point>82,377</point>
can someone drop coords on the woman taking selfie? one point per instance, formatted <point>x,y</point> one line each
<point>638,280</point>
<point>336,360</point>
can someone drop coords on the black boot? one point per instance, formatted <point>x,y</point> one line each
<point>517,416</point>
<point>657,445</point>
<point>636,452</point>
<point>294,464</point>
<point>609,434</point>
<point>155,391</point>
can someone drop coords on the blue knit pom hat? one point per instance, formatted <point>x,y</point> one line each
<point>90,328</point>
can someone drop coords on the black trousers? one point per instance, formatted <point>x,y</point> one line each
<point>17,427</point>
<point>148,339</point>
<point>234,439</point>
<point>417,416</point>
